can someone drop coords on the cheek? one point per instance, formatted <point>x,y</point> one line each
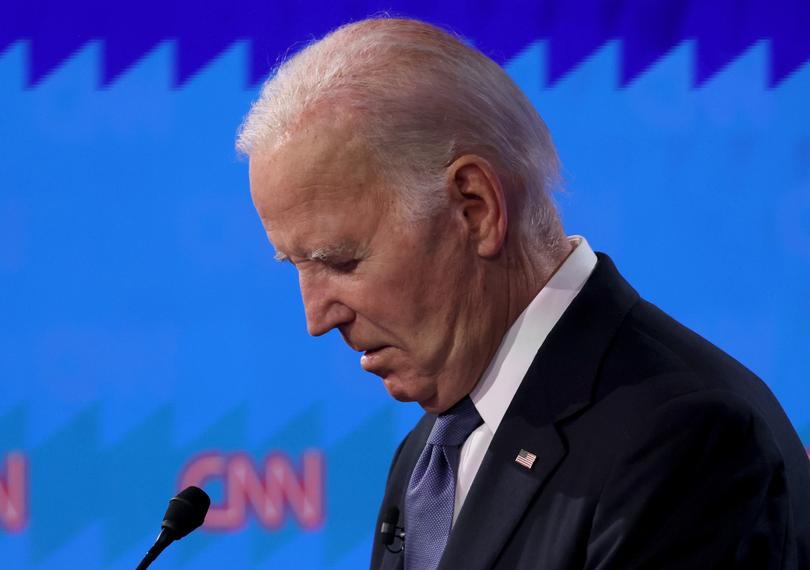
<point>397,302</point>
<point>432,311</point>
<point>416,292</point>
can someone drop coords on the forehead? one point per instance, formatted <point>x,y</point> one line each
<point>315,185</point>
<point>316,160</point>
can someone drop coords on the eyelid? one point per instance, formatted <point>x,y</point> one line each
<point>344,266</point>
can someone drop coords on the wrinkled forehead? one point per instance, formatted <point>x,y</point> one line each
<point>319,162</point>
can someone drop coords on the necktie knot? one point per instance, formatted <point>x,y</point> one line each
<point>453,427</point>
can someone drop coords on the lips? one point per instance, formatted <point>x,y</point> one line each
<point>372,359</point>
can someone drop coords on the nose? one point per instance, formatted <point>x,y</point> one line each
<point>322,305</point>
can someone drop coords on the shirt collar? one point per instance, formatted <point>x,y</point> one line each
<point>494,392</point>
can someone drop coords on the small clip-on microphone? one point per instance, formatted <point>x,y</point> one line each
<point>185,513</point>
<point>389,531</point>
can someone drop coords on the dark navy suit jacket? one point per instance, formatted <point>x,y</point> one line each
<point>655,449</point>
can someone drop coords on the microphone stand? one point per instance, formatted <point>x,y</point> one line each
<point>164,539</point>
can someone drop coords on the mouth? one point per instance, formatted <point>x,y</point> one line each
<point>372,358</point>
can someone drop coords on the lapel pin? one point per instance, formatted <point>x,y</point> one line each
<point>525,458</point>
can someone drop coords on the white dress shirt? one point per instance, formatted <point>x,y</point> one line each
<point>494,392</point>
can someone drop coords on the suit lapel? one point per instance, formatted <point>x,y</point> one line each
<point>501,492</point>
<point>392,562</point>
<point>558,384</point>
<point>396,489</point>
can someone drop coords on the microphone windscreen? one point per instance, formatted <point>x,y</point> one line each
<point>391,515</point>
<point>389,524</point>
<point>186,511</point>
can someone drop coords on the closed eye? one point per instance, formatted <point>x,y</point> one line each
<point>345,266</point>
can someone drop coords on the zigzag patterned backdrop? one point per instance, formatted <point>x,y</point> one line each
<point>148,340</point>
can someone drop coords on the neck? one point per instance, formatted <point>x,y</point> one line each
<point>522,274</point>
<point>527,272</point>
<point>516,279</point>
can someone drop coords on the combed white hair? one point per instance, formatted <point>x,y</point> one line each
<point>424,98</point>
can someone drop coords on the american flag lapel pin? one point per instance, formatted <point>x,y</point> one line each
<point>525,458</point>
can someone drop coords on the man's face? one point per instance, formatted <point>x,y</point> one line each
<point>407,295</point>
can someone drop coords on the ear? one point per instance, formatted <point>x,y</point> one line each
<point>477,193</point>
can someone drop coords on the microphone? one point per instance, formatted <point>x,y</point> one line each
<point>185,513</point>
<point>389,530</point>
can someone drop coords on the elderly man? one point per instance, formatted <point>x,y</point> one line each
<point>569,423</point>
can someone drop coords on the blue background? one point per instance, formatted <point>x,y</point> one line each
<point>143,320</point>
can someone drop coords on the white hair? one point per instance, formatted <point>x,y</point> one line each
<point>423,98</point>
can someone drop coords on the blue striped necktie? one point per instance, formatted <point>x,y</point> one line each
<point>431,492</point>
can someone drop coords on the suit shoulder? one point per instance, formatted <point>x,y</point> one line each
<point>654,352</point>
<point>660,375</point>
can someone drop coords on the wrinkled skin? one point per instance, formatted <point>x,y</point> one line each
<point>427,302</point>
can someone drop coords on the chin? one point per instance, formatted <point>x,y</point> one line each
<point>405,390</point>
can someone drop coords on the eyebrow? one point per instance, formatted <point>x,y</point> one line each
<point>323,253</point>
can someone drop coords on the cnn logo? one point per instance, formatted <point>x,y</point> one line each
<point>272,489</point>
<point>14,492</point>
